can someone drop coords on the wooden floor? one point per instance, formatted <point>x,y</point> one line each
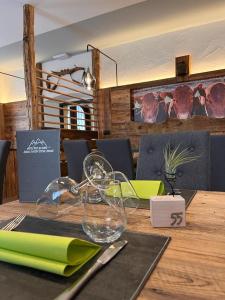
<point>193,265</point>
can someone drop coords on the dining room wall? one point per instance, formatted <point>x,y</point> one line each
<point>152,58</point>
<point>117,114</point>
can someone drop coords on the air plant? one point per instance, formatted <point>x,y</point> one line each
<point>174,158</point>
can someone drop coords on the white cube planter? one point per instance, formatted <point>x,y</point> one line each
<point>167,211</point>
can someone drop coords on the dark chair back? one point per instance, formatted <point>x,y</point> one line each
<point>75,152</point>
<point>193,175</point>
<point>4,152</point>
<point>217,162</point>
<point>119,154</point>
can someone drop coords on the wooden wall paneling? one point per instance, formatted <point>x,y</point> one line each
<point>123,126</point>
<point>2,123</point>
<point>120,107</point>
<point>11,179</point>
<point>77,134</point>
<point>104,112</point>
<point>15,118</point>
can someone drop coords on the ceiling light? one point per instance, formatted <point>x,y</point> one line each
<point>88,80</point>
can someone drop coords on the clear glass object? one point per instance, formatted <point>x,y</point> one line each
<point>64,193</point>
<point>58,198</point>
<point>96,169</point>
<point>106,223</point>
<point>129,195</point>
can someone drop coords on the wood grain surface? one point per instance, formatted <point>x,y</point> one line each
<point>193,265</point>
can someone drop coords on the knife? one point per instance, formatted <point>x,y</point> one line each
<point>107,255</point>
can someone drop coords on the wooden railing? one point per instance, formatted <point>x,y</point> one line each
<point>65,104</point>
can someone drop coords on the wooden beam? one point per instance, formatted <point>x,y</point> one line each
<point>96,73</point>
<point>29,65</point>
<point>96,67</point>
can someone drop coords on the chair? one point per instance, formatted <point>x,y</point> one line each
<point>217,176</point>
<point>194,175</point>
<point>75,152</point>
<point>4,152</point>
<point>119,154</point>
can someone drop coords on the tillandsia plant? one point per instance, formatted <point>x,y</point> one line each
<point>174,158</point>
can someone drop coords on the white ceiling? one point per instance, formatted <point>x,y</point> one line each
<point>68,25</point>
<point>51,14</point>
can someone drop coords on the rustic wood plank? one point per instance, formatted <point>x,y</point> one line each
<point>96,73</point>
<point>11,178</point>
<point>193,265</point>
<point>104,112</point>
<point>15,118</point>
<point>78,134</point>
<point>2,123</point>
<point>29,65</point>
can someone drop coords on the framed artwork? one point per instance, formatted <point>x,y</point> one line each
<point>205,97</point>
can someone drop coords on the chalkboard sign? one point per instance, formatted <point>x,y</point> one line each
<point>38,158</point>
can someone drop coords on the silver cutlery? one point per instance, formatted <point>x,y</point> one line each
<point>14,223</point>
<point>107,255</point>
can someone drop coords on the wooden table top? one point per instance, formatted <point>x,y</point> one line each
<point>193,265</point>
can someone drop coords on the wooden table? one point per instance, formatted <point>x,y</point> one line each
<point>193,265</point>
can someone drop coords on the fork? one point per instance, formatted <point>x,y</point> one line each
<point>14,223</point>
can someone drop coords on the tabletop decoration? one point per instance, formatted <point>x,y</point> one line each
<point>101,184</point>
<point>63,193</point>
<point>173,158</point>
<point>169,210</point>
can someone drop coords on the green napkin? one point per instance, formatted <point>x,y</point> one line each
<point>145,188</point>
<point>55,254</point>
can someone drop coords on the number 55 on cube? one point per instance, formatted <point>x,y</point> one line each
<point>167,211</point>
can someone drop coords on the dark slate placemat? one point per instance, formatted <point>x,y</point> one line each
<point>122,278</point>
<point>188,195</point>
